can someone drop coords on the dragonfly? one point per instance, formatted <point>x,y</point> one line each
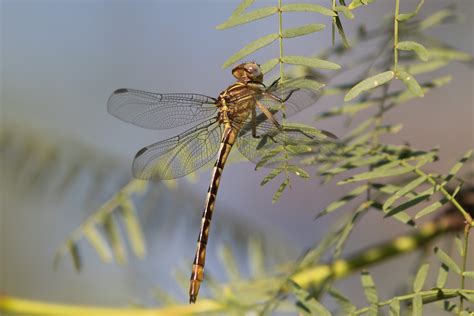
<point>245,114</point>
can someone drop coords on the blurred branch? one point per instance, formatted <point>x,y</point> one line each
<point>311,277</point>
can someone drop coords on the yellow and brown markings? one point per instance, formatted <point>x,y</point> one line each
<point>197,273</point>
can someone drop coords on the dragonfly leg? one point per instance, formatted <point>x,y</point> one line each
<point>268,114</point>
<point>274,97</point>
<point>274,83</point>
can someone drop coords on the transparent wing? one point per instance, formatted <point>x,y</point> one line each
<point>298,97</point>
<point>299,93</point>
<point>271,139</point>
<point>160,111</point>
<point>180,155</point>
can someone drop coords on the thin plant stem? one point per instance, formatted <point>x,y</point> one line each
<point>282,76</point>
<point>467,229</point>
<point>395,35</point>
<point>450,197</point>
<point>280,42</point>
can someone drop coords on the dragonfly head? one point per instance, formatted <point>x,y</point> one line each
<point>249,71</point>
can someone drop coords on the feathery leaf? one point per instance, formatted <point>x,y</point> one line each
<point>240,19</point>
<point>250,48</point>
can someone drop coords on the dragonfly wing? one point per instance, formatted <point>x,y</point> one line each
<point>180,155</point>
<point>300,96</point>
<point>271,139</point>
<point>158,110</point>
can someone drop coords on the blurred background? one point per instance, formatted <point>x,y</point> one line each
<point>60,61</point>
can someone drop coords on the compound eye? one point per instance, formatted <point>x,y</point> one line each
<point>253,70</point>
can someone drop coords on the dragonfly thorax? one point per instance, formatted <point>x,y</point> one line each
<point>237,102</point>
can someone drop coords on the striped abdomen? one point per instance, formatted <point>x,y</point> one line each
<point>197,273</point>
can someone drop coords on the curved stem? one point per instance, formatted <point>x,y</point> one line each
<point>428,297</point>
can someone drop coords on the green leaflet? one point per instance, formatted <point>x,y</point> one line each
<point>394,308</point>
<point>298,149</point>
<point>406,16</point>
<point>256,257</point>
<point>442,276</point>
<point>345,10</point>
<point>273,174</point>
<point>467,296</point>
<point>448,306</point>
<point>459,246</point>
<point>315,254</point>
<point>441,81</point>
<point>347,229</point>
<point>350,109</point>
<point>75,255</point>
<point>438,204</point>
<point>242,7</point>
<point>250,48</point>
<point>385,188</point>
<point>449,53</point>
<point>431,208</point>
<point>369,83</point>
<point>310,62</point>
<point>343,200</point>
<point>419,49</point>
<point>345,304</point>
<point>421,277</point>
<point>399,215</point>
<point>303,30</point>
<point>341,32</point>
<point>132,226</point>
<point>404,190</point>
<point>468,274</point>
<point>280,190</point>
<point>355,162</point>
<point>115,238</point>
<point>417,305</point>
<point>445,259</point>
<point>257,14</point>
<point>98,242</point>
<point>300,172</point>
<point>304,83</point>
<point>229,261</point>
<point>421,68</point>
<point>455,169</point>
<point>435,19</point>
<point>369,287</point>
<point>357,3</point>
<point>362,127</point>
<point>307,7</point>
<point>307,304</point>
<point>269,65</point>
<point>377,173</point>
<point>410,82</point>
<point>269,154</point>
